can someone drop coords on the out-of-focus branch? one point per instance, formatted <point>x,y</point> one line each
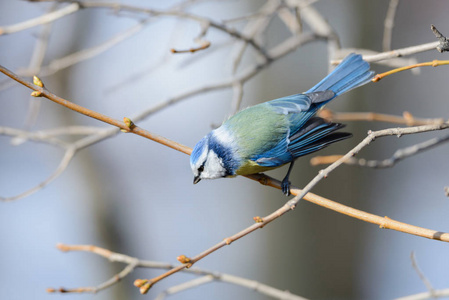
<point>85,54</point>
<point>246,283</point>
<point>442,45</point>
<point>386,163</point>
<point>203,45</point>
<point>68,156</point>
<point>443,293</point>
<point>393,53</point>
<point>132,263</point>
<point>406,119</point>
<point>21,135</point>
<point>37,59</point>
<point>62,63</point>
<point>254,29</point>
<point>175,13</point>
<point>431,293</point>
<point>389,25</point>
<point>44,19</point>
<point>421,274</point>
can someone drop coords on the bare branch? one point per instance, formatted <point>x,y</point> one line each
<point>421,274</point>
<point>389,25</point>
<point>427,295</point>
<point>253,29</point>
<point>434,63</point>
<point>132,263</point>
<point>386,163</point>
<point>68,155</point>
<point>406,119</point>
<point>44,19</point>
<point>42,92</point>
<point>432,293</point>
<point>393,53</point>
<point>85,54</point>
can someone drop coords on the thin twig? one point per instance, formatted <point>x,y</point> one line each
<point>175,13</point>
<point>254,28</point>
<point>237,97</point>
<point>85,54</point>
<point>395,62</point>
<point>427,295</point>
<point>37,59</point>
<point>389,25</point>
<point>44,19</point>
<point>406,119</point>
<point>68,155</point>
<point>185,286</point>
<point>396,53</point>
<point>421,275</point>
<point>203,45</point>
<point>434,63</point>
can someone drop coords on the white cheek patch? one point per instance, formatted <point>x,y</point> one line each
<point>213,167</point>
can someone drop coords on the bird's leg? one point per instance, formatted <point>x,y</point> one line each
<point>285,184</point>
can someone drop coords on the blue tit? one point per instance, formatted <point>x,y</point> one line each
<point>274,133</point>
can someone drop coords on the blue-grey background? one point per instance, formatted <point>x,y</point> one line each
<point>134,196</point>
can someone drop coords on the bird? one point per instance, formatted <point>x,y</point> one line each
<point>274,133</point>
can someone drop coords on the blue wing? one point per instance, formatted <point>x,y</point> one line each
<point>315,135</point>
<point>306,133</point>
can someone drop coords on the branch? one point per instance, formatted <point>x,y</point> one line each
<point>393,53</point>
<point>406,119</point>
<point>431,293</point>
<point>44,19</point>
<point>389,25</point>
<point>203,45</point>
<point>427,295</point>
<point>175,13</point>
<point>21,135</point>
<point>434,63</point>
<point>386,163</point>
<point>132,263</point>
<point>42,92</point>
<point>421,274</point>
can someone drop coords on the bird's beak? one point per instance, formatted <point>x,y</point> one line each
<point>196,179</point>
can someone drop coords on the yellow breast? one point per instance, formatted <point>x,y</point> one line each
<point>251,167</point>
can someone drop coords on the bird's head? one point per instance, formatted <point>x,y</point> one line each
<point>212,159</point>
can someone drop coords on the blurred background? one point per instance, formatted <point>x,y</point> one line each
<point>136,197</point>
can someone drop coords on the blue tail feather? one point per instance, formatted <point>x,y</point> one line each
<point>352,72</point>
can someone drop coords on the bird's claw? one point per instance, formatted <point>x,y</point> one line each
<point>285,186</point>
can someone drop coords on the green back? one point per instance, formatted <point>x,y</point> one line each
<point>258,129</point>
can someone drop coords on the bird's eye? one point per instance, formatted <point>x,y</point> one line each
<point>201,169</point>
